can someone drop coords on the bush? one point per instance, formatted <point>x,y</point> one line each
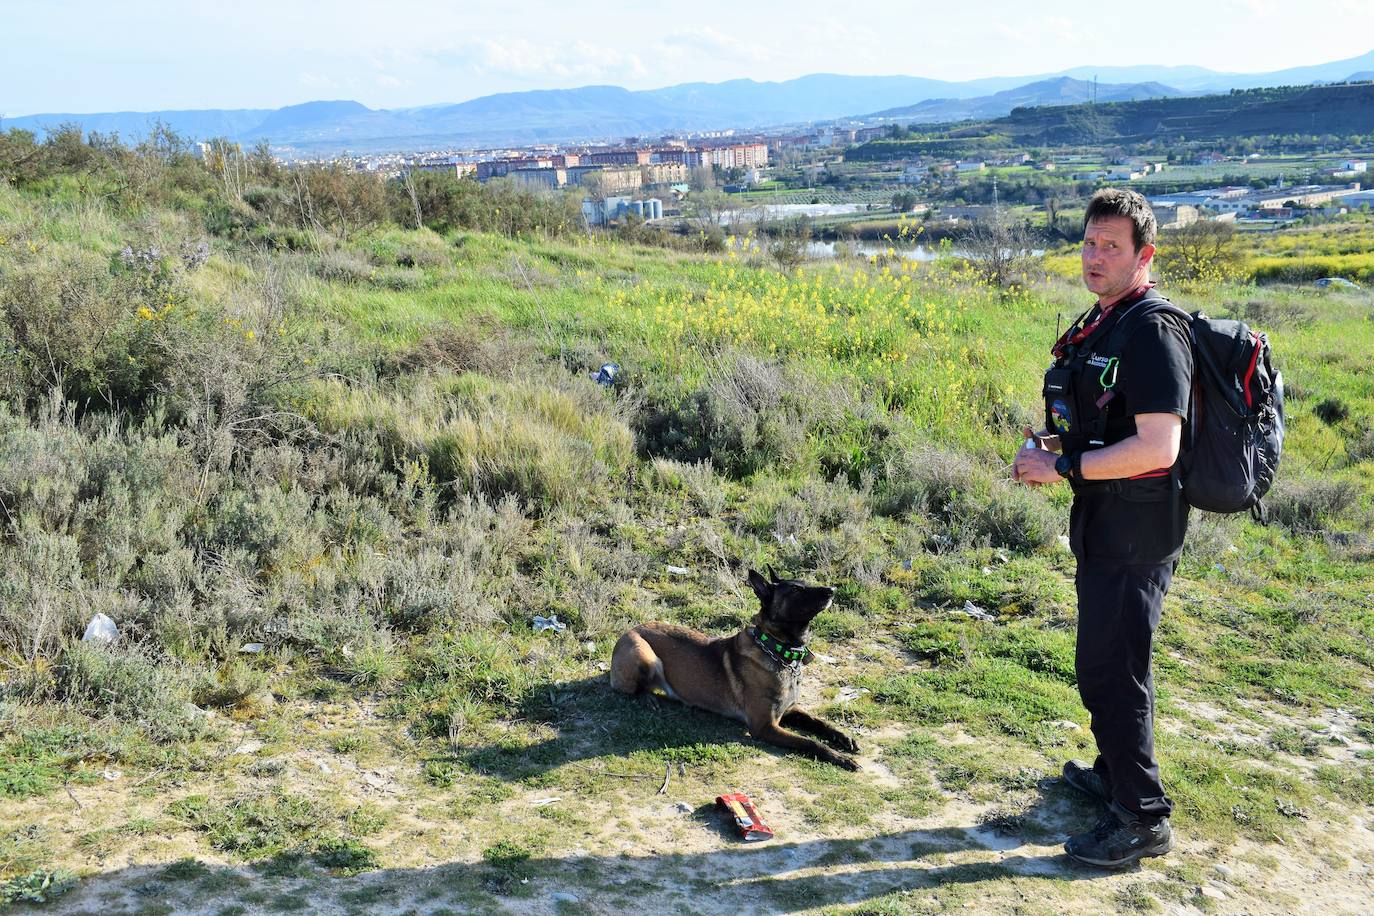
<point>342,267</point>
<point>1331,411</point>
<point>484,350</point>
<point>1205,251</point>
<point>448,202</point>
<point>967,504</point>
<point>1306,507</point>
<point>560,441</point>
<point>749,415</point>
<point>132,685</point>
<point>74,325</point>
<point>41,602</point>
<point>695,481</point>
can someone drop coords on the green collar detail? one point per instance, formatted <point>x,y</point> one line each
<point>772,646</point>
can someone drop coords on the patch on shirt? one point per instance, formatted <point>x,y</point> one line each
<point>1062,416</point>
<point>1098,362</point>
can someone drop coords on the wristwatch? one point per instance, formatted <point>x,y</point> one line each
<point>1067,465</point>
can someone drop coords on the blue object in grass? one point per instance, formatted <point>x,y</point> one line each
<point>607,374</point>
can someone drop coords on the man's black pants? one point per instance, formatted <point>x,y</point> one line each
<point>1118,609</point>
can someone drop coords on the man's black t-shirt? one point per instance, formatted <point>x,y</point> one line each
<point>1141,520</point>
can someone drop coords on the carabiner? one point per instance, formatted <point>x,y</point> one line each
<point>1112,365</point>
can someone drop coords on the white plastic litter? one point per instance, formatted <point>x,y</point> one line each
<point>112,775</point>
<point>678,570</point>
<point>252,648</point>
<point>972,610</point>
<point>541,624</point>
<point>101,630</point>
<point>850,694</point>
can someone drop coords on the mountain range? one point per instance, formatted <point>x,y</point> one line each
<point>1063,90</point>
<point>608,112</point>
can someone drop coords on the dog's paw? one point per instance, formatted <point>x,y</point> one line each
<point>846,743</point>
<point>849,763</point>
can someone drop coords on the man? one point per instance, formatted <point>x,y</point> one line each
<point>1115,401</point>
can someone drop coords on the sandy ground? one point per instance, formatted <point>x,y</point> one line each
<point>671,853</point>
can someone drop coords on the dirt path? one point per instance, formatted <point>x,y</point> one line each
<point>670,853</point>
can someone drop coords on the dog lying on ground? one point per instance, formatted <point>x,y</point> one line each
<point>753,676</point>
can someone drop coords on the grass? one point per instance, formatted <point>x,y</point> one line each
<point>440,468</point>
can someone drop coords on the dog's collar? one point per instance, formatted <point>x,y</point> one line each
<point>778,650</point>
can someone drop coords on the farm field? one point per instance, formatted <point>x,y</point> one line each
<point>325,485</point>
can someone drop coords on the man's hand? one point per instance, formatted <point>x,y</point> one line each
<point>1044,439</point>
<point>1035,466</point>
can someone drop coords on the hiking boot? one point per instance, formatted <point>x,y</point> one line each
<point>1116,843</point>
<point>1087,780</point>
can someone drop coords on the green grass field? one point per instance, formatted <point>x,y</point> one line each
<point>324,492</point>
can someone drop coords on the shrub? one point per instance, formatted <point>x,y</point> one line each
<point>1205,251</point>
<point>696,481</point>
<point>1331,411</point>
<point>750,414</point>
<point>486,350</point>
<point>41,600</point>
<point>130,684</point>
<point>342,267</point>
<point>967,504</point>
<point>549,443</point>
<point>1307,506</point>
<point>1362,447</point>
<point>75,326</point>
<point>447,202</point>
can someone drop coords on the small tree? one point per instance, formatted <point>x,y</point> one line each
<point>787,240</point>
<point>1000,248</point>
<point>1204,250</point>
<point>707,210</point>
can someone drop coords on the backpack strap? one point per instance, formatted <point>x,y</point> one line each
<point>1149,304</point>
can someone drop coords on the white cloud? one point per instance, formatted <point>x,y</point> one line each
<point>707,40</point>
<point>316,81</point>
<point>533,62</point>
<point>1262,8</point>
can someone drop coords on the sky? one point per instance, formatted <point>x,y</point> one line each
<point>80,56</point>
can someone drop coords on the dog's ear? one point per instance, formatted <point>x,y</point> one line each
<point>772,574</point>
<point>761,586</point>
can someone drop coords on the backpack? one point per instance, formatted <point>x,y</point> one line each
<point>1235,423</point>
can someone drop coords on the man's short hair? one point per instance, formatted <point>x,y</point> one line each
<point>1130,204</point>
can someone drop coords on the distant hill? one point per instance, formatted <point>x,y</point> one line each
<point>1063,90</point>
<point>586,113</point>
<point>1200,80</point>
<point>213,122</point>
<point>610,112</point>
<point>1339,110</point>
<point>1362,77</point>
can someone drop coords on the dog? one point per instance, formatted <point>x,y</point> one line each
<point>753,676</point>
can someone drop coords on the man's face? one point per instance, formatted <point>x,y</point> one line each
<point>1111,265</point>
